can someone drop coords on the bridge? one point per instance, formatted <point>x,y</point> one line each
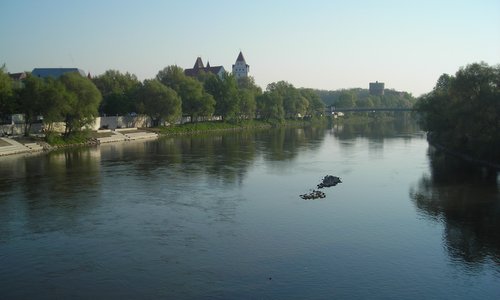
<point>332,109</point>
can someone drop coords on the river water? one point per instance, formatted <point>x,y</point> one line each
<point>219,217</point>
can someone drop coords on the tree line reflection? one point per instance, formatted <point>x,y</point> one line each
<point>467,200</point>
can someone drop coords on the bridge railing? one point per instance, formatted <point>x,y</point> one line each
<point>368,109</point>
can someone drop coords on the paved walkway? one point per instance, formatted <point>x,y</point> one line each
<point>126,134</point>
<point>14,147</point>
<point>10,146</point>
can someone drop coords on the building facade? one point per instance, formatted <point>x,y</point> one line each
<point>240,67</point>
<point>377,88</point>
<point>200,67</point>
<point>55,72</point>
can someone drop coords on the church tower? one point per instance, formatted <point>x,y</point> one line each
<point>240,67</point>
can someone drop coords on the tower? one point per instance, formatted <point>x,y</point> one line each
<point>240,67</point>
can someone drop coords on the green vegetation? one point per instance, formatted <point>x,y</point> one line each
<point>358,97</point>
<point>6,94</point>
<point>159,102</point>
<point>462,112</point>
<point>238,102</point>
<point>71,99</point>
<point>118,92</point>
<point>198,127</point>
<point>75,138</point>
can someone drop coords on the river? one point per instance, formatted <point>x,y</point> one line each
<point>219,216</point>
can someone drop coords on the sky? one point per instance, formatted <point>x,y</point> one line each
<point>322,44</point>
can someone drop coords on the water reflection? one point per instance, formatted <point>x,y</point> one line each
<point>57,188</point>
<point>467,200</point>
<point>402,124</point>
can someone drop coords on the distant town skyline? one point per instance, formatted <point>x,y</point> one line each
<point>316,44</point>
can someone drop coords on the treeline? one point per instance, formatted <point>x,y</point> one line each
<point>77,100</point>
<point>71,99</point>
<point>172,94</point>
<point>462,112</point>
<point>361,98</point>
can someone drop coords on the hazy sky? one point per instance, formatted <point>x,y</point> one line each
<point>311,43</point>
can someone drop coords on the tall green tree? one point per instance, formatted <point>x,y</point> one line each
<point>56,101</point>
<point>248,92</point>
<point>270,107</point>
<point>225,93</point>
<point>7,103</point>
<point>196,102</point>
<point>294,105</point>
<point>30,101</point>
<point>118,92</point>
<point>316,107</point>
<point>159,102</point>
<point>83,102</point>
<point>347,99</point>
<point>462,112</point>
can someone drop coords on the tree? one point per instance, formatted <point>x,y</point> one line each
<point>248,91</point>
<point>196,102</point>
<point>117,90</point>
<point>462,111</point>
<point>316,107</point>
<point>225,93</point>
<point>247,104</point>
<point>347,99</point>
<point>270,107</point>
<point>7,103</point>
<point>56,102</point>
<point>294,105</point>
<point>30,101</point>
<point>159,102</point>
<point>83,102</point>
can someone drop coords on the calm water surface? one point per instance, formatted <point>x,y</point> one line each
<point>220,217</point>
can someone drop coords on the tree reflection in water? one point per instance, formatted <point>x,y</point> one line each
<point>467,200</point>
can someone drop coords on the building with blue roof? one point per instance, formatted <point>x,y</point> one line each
<point>55,72</point>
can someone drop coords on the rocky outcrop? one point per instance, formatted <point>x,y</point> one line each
<point>315,194</point>
<point>329,181</point>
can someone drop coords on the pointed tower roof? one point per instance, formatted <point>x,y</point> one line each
<point>208,64</point>
<point>241,58</point>
<point>198,64</point>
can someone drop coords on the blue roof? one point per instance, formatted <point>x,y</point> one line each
<point>54,72</point>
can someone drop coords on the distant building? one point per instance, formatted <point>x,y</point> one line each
<point>377,88</point>
<point>17,79</point>
<point>55,72</point>
<point>199,67</point>
<point>240,67</point>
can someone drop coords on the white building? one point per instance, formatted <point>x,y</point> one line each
<point>240,67</point>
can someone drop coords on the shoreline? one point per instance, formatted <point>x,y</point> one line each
<point>172,131</point>
<point>24,146</point>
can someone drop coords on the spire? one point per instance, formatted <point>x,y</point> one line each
<point>198,64</point>
<point>208,64</point>
<point>241,58</point>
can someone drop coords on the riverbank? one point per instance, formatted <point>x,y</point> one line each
<point>27,145</point>
<point>467,158</point>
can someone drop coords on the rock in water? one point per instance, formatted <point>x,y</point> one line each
<point>313,195</point>
<point>328,181</point>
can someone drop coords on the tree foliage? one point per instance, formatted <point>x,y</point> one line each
<point>462,112</point>
<point>159,102</point>
<point>7,103</point>
<point>30,101</point>
<point>196,102</point>
<point>316,107</point>
<point>357,97</point>
<point>83,102</point>
<point>225,93</point>
<point>118,92</point>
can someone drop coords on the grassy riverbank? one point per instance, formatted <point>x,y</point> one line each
<point>202,127</point>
